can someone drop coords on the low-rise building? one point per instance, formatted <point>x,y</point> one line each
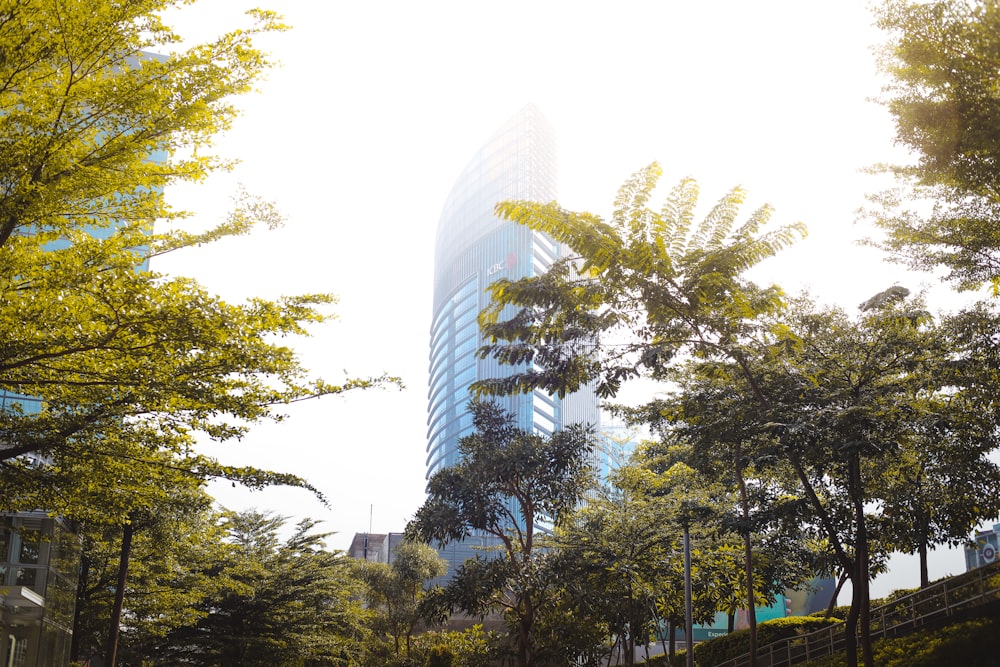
<point>39,565</point>
<point>984,551</point>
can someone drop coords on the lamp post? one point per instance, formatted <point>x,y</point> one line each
<point>688,607</point>
<point>691,511</point>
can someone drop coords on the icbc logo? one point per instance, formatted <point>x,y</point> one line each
<point>509,263</point>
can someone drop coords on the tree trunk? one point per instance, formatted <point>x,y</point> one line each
<point>836,592</point>
<point>630,645</point>
<point>847,562</point>
<point>116,610</point>
<point>688,624</point>
<point>861,582</point>
<point>672,633</point>
<point>851,632</point>
<point>925,578</point>
<point>525,656</point>
<point>661,632</point>
<point>81,594</point>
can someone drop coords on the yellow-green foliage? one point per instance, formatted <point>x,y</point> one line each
<point>838,613</point>
<point>472,647</point>
<point>440,656</point>
<point>134,367</point>
<point>663,660</point>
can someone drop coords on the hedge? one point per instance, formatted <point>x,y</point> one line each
<point>736,644</point>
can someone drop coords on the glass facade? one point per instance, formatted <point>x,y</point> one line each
<point>473,249</point>
<point>39,560</point>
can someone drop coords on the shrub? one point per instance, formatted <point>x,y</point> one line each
<point>470,648</point>
<point>440,656</point>
<point>839,613</point>
<point>664,660</point>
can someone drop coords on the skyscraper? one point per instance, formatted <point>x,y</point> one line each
<point>473,249</point>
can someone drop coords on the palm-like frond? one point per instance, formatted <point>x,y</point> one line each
<point>631,214</point>
<point>719,222</point>
<point>677,215</point>
<point>585,233</point>
<point>643,277</point>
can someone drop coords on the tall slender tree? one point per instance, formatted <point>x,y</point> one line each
<point>508,483</point>
<point>395,592</point>
<point>638,291</point>
<point>849,397</point>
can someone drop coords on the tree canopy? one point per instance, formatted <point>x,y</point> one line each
<point>396,593</point>
<point>275,602</point>
<point>942,58</point>
<point>108,369</point>
<point>634,293</point>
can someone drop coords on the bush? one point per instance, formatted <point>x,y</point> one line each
<point>440,656</point>
<point>470,648</point>
<point>736,644</point>
<point>839,613</point>
<point>664,660</point>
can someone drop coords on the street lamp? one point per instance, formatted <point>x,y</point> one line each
<point>691,511</point>
<point>688,607</point>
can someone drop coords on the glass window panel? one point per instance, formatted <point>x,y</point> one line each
<point>29,553</point>
<point>26,576</point>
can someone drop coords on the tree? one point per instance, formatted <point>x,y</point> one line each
<point>848,398</point>
<point>942,58</point>
<point>395,591</point>
<point>638,291</point>
<point>126,365</point>
<point>167,577</point>
<point>687,494</point>
<point>942,482</point>
<point>277,603</point>
<point>709,413</point>
<point>610,556</point>
<point>508,483</point>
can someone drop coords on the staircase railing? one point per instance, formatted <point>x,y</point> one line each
<point>901,616</point>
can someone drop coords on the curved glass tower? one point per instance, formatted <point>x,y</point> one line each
<point>473,249</point>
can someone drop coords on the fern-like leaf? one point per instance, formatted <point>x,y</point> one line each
<point>678,214</point>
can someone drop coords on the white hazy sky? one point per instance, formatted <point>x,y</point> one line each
<point>377,107</point>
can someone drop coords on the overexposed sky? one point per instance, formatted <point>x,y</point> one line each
<point>377,107</point>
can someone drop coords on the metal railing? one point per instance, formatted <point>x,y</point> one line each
<point>899,617</point>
